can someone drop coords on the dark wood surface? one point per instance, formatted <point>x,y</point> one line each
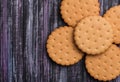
<point>24,28</point>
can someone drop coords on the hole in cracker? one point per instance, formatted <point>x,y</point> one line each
<point>111,58</point>
<point>89,48</point>
<point>82,15</point>
<point>90,19</point>
<point>108,38</point>
<point>118,17</point>
<point>68,4</point>
<point>88,39</point>
<point>99,58</point>
<point>99,29</point>
<point>53,46</point>
<point>118,68</point>
<point>111,65</point>
<point>112,74</point>
<point>108,31</point>
<point>114,11</point>
<point>60,59</point>
<point>114,23</point>
<point>55,53</point>
<point>67,39</point>
<point>74,6</point>
<point>83,22</point>
<point>67,45</point>
<point>88,10</point>
<point>95,12</point>
<point>117,54</point>
<point>99,66</point>
<point>81,8</point>
<point>92,69</point>
<point>60,42</point>
<point>112,49</point>
<point>103,45</point>
<point>61,49</point>
<point>101,36</point>
<point>82,43</point>
<point>79,36</point>
<point>105,24</point>
<point>91,62</point>
<point>73,49</point>
<point>86,31</point>
<point>75,13</point>
<point>96,48</point>
<point>67,11</point>
<point>67,60</point>
<point>105,55</point>
<point>70,17</point>
<point>79,29</point>
<point>95,41</point>
<point>118,29</point>
<point>66,31</point>
<point>92,26</point>
<point>105,61</point>
<point>86,3</point>
<point>94,33</point>
<point>98,20</point>
<point>95,5</point>
<point>59,33</point>
<point>97,75</point>
<point>54,39</point>
<point>105,69</point>
<point>115,36</point>
<point>109,16</point>
<point>104,76</point>
<point>75,58</point>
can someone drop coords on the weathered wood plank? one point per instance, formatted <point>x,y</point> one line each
<point>24,28</point>
<point>4,52</point>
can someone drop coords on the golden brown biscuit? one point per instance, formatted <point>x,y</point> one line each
<point>113,16</point>
<point>74,10</point>
<point>105,66</point>
<point>61,47</point>
<point>93,35</point>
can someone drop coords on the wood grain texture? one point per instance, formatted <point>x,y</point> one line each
<point>24,28</point>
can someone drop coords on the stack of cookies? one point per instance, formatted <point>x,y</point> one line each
<point>88,33</point>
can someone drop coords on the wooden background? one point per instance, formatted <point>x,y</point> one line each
<point>24,28</point>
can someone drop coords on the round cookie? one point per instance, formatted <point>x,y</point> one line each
<point>105,66</point>
<point>93,35</point>
<point>113,16</point>
<point>61,47</point>
<point>74,10</point>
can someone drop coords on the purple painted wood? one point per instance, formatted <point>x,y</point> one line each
<point>24,28</point>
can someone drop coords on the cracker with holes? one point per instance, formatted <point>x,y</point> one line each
<point>61,47</point>
<point>93,35</point>
<point>105,66</point>
<point>74,10</point>
<point>113,16</point>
